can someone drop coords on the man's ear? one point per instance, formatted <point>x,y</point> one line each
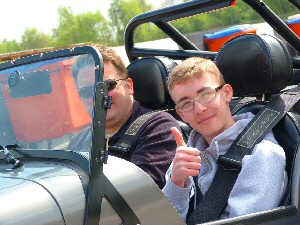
<point>129,85</point>
<point>228,90</point>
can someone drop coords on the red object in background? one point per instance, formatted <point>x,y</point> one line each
<point>53,115</point>
<point>216,40</point>
<point>294,24</point>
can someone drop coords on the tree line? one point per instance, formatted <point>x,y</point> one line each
<point>94,27</point>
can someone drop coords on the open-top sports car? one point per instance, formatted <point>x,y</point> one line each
<point>44,181</point>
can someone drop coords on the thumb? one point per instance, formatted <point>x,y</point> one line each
<point>178,137</point>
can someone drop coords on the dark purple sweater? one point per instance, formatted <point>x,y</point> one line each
<point>153,147</point>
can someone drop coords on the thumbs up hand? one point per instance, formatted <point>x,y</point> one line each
<point>187,161</point>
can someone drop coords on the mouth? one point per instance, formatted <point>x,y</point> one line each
<point>205,119</point>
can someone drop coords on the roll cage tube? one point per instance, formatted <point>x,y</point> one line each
<point>275,22</point>
<point>161,19</point>
<point>295,3</point>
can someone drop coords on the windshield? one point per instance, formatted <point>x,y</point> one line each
<point>44,104</point>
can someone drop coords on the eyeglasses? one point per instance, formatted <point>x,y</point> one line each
<point>88,91</point>
<point>112,83</point>
<point>203,98</point>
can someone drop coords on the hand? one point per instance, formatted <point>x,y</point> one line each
<point>187,161</point>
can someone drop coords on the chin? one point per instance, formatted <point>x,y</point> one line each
<point>110,114</point>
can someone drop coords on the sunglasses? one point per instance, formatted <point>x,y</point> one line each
<point>88,91</point>
<point>112,83</point>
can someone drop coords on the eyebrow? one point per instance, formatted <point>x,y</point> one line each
<point>198,92</point>
<point>109,78</point>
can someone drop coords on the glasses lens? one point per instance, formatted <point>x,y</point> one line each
<point>86,92</point>
<point>185,106</point>
<point>111,84</point>
<point>206,96</point>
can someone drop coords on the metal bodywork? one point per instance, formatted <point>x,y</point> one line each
<point>55,194</point>
<point>41,112</point>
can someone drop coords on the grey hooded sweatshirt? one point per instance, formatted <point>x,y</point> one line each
<point>259,186</point>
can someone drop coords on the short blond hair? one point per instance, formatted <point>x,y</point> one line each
<point>194,67</point>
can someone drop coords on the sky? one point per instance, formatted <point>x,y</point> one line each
<point>17,15</point>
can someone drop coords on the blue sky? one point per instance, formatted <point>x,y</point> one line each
<point>17,15</point>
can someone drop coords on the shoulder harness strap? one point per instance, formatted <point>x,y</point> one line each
<point>229,165</point>
<point>240,104</point>
<point>123,146</point>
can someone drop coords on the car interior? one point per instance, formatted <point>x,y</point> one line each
<point>149,76</point>
<point>264,70</point>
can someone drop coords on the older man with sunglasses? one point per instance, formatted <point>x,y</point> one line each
<point>202,99</point>
<point>153,147</point>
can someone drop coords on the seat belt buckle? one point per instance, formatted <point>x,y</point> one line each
<point>229,164</point>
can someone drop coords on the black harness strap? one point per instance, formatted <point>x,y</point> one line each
<point>196,198</point>
<point>123,146</point>
<point>240,104</point>
<point>229,165</point>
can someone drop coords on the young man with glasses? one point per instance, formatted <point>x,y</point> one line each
<point>153,146</point>
<point>202,100</point>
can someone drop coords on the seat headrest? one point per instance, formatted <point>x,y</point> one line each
<point>255,64</point>
<point>149,77</point>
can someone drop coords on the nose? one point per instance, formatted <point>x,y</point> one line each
<point>198,107</point>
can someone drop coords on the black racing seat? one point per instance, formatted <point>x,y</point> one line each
<point>149,77</point>
<point>259,66</point>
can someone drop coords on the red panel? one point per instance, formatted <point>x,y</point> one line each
<point>215,44</point>
<point>295,27</point>
<point>53,115</point>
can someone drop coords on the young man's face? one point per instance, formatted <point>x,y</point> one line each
<point>209,119</point>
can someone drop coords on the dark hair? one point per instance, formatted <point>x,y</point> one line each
<point>108,54</point>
